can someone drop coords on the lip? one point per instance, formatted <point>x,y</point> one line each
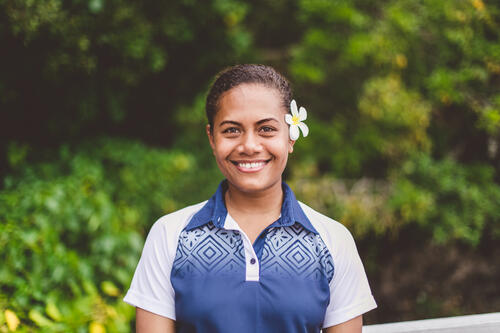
<point>250,166</point>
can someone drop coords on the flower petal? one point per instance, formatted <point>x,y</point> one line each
<point>302,114</point>
<point>288,119</point>
<point>293,108</point>
<point>294,132</point>
<point>304,129</point>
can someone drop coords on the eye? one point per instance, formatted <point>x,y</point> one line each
<point>231,130</point>
<point>267,130</point>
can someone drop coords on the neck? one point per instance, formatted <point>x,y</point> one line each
<point>258,203</point>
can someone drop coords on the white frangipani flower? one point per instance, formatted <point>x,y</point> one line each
<point>295,120</point>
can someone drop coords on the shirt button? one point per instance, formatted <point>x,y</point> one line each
<point>252,261</point>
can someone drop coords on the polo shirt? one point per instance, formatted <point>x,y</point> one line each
<point>302,273</point>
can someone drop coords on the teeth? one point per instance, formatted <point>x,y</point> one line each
<point>251,165</point>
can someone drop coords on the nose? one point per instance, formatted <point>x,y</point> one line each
<point>250,144</point>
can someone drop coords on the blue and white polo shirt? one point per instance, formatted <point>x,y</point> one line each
<point>303,273</point>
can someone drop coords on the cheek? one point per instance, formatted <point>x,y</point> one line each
<point>280,148</point>
<point>221,148</point>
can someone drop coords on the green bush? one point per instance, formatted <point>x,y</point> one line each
<point>72,229</point>
<point>452,200</point>
<point>447,199</point>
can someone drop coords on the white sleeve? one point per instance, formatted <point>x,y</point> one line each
<point>350,294</point>
<point>151,288</point>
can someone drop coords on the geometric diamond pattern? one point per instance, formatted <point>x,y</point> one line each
<point>281,237</point>
<point>296,252</point>
<point>298,257</point>
<point>208,250</point>
<point>288,252</point>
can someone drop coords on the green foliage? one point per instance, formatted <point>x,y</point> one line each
<point>96,65</point>
<point>449,200</point>
<point>400,117</point>
<point>453,201</point>
<point>359,204</point>
<point>72,230</point>
<point>426,61</point>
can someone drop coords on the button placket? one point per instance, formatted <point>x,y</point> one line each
<point>252,264</point>
<point>251,261</point>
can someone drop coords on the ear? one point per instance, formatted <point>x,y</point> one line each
<point>290,146</point>
<point>210,136</point>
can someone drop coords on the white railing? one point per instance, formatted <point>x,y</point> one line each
<point>480,323</point>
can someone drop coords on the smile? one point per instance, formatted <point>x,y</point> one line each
<point>250,166</point>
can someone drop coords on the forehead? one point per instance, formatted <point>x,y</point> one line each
<point>247,100</point>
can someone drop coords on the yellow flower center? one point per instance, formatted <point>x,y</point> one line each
<point>295,120</point>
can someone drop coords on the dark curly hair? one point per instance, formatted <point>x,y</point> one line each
<point>247,73</point>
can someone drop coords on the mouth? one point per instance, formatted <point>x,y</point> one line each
<point>250,166</point>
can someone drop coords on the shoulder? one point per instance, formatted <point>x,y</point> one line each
<point>170,225</point>
<point>335,235</point>
<point>181,216</point>
<point>323,223</point>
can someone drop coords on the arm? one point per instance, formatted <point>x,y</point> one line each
<point>148,322</point>
<point>350,294</point>
<point>151,292</point>
<point>351,326</point>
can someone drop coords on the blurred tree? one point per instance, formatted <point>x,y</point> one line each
<point>435,64</point>
<point>76,68</point>
<point>72,231</point>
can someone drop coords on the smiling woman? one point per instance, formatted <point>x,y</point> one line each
<point>252,258</point>
<point>250,139</point>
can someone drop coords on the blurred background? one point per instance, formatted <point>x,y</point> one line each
<point>102,132</point>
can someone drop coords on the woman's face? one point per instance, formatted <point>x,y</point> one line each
<point>250,139</point>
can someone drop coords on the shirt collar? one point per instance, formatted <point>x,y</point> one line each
<point>215,210</point>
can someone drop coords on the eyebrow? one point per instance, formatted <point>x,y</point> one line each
<point>266,120</point>
<point>232,122</point>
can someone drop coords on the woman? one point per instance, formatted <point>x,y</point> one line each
<point>251,258</point>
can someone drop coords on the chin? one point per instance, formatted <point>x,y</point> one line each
<point>252,186</point>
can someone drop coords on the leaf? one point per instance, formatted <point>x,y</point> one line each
<point>53,311</point>
<point>110,289</point>
<point>39,318</point>
<point>96,327</point>
<point>11,319</point>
